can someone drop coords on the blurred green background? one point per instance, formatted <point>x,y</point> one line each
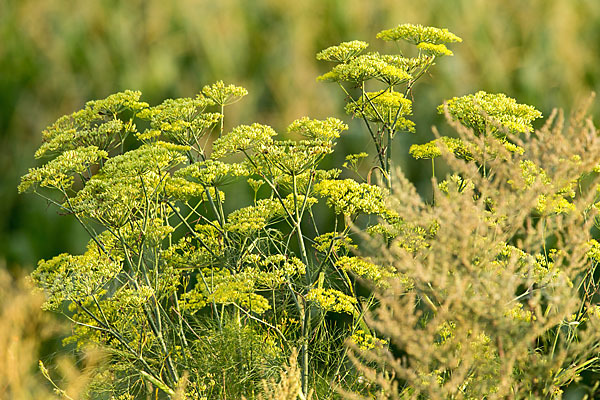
<point>57,54</point>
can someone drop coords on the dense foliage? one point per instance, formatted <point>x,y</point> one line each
<point>191,297</point>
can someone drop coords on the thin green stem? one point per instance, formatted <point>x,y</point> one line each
<point>222,120</point>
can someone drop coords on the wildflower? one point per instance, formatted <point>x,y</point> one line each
<point>223,95</point>
<point>334,242</point>
<point>436,50</point>
<point>95,125</point>
<point>243,138</point>
<point>60,172</point>
<point>349,197</point>
<point>365,67</point>
<point>67,277</point>
<point>332,300</point>
<point>433,148</point>
<point>343,52</point>
<point>409,64</point>
<point>594,250</point>
<point>456,183</point>
<point>517,313</point>
<point>385,107</point>
<point>241,292</point>
<point>181,120</point>
<point>365,269</point>
<point>325,130</point>
<point>254,218</point>
<point>212,172</point>
<point>494,112</point>
<point>255,184</point>
<point>417,34</point>
<point>352,160</point>
<point>366,341</point>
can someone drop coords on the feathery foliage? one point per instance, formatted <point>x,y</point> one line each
<point>492,283</point>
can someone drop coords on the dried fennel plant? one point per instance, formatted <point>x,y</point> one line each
<point>24,330</point>
<point>289,386</point>
<point>502,298</point>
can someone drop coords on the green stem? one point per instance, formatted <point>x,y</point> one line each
<point>433,179</point>
<point>116,335</point>
<point>155,324</point>
<point>373,137</point>
<point>388,156</point>
<point>306,314</point>
<point>222,119</point>
<point>297,224</point>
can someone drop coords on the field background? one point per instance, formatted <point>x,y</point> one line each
<point>57,54</point>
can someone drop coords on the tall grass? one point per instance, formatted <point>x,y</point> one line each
<point>26,331</point>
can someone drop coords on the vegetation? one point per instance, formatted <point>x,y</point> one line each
<point>56,55</point>
<point>485,292</point>
<point>504,300</point>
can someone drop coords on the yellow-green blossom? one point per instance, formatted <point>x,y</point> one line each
<point>243,138</point>
<point>289,265</point>
<point>213,172</point>
<point>495,113</point>
<point>294,158</point>
<point>67,277</point>
<point>436,50</point>
<point>416,34</point>
<point>59,173</point>
<point>255,184</point>
<point>135,298</point>
<point>545,270</point>
<point>222,94</point>
<point>385,107</point>
<point>120,190</point>
<point>408,236</point>
<point>446,331</point>
<point>594,311</point>
<point>554,204</point>
<point>343,52</point>
<point>332,300</point>
<point>365,67</point>
<point>594,250</point>
<point>412,65</point>
<point>254,218</point>
<point>366,269</point>
<point>240,292</point>
<point>334,242</point>
<point>352,160</point>
<point>97,124</point>
<point>455,183</point>
<point>366,341</point>
<point>178,188</point>
<point>517,313</point>
<point>305,180</point>
<point>558,202</point>
<point>181,120</point>
<point>510,256</point>
<point>433,148</point>
<point>326,130</point>
<point>193,301</point>
<point>350,197</point>
<point>279,265</point>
